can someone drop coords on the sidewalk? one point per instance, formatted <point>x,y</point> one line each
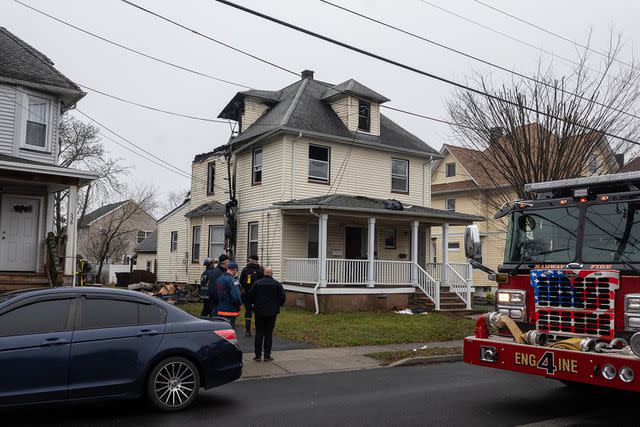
<point>321,360</point>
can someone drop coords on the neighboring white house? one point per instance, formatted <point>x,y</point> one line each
<point>315,167</point>
<point>33,95</point>
<point>146,254</point>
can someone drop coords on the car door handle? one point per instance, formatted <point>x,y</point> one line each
<point>145,332</point>
<point>53,341</point>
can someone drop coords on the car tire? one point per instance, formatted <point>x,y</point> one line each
<point>173,384</point>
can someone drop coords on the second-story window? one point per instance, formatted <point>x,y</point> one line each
<point>143,234</point>
<point>211,178</point>
<point>399,176</point>
<point>450,170</point>
<point>450,205</point>
<point>319,158</point>
<point>252,239</point>
<point>256,167</point>
<point>36,135</point>
<point>364,116</point>
<point>195,244</point>
<point>593,165</point>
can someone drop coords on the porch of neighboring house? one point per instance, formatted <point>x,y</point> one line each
<point>370,259</point>
<point>27,201</point>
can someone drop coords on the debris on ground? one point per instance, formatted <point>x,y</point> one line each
<point>409,311</point>
<point>169,292</point>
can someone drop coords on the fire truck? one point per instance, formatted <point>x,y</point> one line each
<point>568,298</point>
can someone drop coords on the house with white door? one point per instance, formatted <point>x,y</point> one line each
<point>327,190</point>
<point>33,95</point>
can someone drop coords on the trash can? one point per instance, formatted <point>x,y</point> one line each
<point>123,279</point>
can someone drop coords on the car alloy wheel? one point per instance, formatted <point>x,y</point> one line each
<point>174,384</point>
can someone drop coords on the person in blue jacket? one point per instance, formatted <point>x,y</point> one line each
<point>226,300</point>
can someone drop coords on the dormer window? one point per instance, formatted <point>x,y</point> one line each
<point>36,132</point>
<point>364,116</point>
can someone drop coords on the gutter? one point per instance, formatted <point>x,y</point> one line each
<point>48,170</point>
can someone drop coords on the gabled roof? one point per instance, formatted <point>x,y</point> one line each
<point>450,187</point>
<point>148,245</point>
<point>368,204</point>
<point>177,208</point>
<point>100,212</point>
<point>206,209</point>
<point>352,87</point>
<point>23,64</point>
<point>301,108</point>
<point>632,165</point>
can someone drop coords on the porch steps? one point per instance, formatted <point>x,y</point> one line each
<point>449,302</point>
<point>17,281</point>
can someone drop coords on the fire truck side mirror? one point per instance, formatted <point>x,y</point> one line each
<point>472,245</point>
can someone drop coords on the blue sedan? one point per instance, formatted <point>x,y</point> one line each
<point>62,344</point>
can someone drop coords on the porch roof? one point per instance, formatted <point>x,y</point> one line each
<point>367,205</point>
<point>206,209</point>
<point>30,170</point>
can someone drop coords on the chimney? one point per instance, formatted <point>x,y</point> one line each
<point>307,74</point>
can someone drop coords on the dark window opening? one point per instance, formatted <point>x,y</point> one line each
<point>364,116</point>
<point>211,178</point>
<point>319,163</point>
<point>256,177</point>
<point>450,169</point>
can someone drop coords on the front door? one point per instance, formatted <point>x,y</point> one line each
<point>353,243</point>
<point>19,221</point>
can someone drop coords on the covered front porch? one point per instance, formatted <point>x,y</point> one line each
<point>367,249</point>
<point>27,202</point>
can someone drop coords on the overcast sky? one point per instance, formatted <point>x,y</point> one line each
<point>93,63</point>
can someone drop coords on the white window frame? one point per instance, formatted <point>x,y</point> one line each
<point>22,97</point>
<point>255,224</point>
<point>405,176</point>
<point>446,169</point>
<point>146,233</point>
<point>195,243</point>
<point>327,162</point>
<point>256,167</point>
<point>173,244</point>
<point>446,204</point>
<point>212,243</point>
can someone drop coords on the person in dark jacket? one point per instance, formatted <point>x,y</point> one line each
<point>223,262</point>
<point>266,297</point>
<point>250,275</point>
<point>205,282</point>
<point>226,296</point>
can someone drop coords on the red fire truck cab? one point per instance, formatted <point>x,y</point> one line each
<point>568,298</point>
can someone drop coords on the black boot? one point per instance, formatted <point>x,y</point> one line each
<point>247,327</point>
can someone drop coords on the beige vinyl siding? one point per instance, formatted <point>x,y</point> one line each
<point>199,181</point>
<point>367,173</point>
<point>253,110</point>
<point>439,172</point>
<point>346,108</point>
<point>172,266</point>
<point>7,119</point>
<point>141,262</point>
<point>341,108</point>
<point>275,171</point>
<point>270,238</point>
<point>195,268</point>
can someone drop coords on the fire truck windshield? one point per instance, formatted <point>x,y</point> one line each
<point>542,235</point>
<point>612,233</point>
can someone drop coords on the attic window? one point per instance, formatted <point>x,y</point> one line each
<point>364,116</point>
<point>450,169</point>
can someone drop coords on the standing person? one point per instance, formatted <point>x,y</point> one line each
<point>205,282</point>
<point>223,261</point>
<point>267,296</point>
<point>250,275</point>
<point>226,298</point>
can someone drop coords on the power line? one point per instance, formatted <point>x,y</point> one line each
<point>560,36</point>
<point>475,58</point>
<point>188,116</point>
<point>146,55</point>
<point>407,67</point>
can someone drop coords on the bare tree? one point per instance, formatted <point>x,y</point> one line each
<point>175,199</point>
<point>81,147</point>
<point>112,238</point>
<point>550,127</point>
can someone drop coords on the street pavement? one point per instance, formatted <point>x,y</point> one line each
<point>453,394</point>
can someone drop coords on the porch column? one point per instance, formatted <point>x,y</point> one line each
<point>322,249</point>
<point>371,251</point>
<point>72,228</point>
<point>445,255</point>
<point>414,252</point>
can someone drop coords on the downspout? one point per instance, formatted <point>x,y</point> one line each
<point>315,289</point>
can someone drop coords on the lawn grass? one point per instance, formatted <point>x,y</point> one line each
<point>387,357</point>
<point>363,328</point>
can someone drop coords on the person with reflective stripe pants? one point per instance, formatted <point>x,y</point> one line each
<point>225,297</point>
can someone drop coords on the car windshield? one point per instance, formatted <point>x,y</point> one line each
<point>542,235</point>
<point>612,233</point>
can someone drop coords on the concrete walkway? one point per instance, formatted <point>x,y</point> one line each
<point>321,360</point>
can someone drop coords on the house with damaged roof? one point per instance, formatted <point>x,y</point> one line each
<point>331,193</point>
<point>460,183</point>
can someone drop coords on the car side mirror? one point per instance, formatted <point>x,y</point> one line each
<point>472,245</point>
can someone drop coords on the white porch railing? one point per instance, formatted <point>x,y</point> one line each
<point>347,271</point>
<point>393,272</point>
<point>301,270</point>
<point>355,272</point>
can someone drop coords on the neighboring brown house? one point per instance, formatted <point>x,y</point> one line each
<point>124,224</point>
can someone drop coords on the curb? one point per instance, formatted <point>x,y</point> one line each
<point>426,360</point>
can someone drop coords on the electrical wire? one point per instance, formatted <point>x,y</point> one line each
<point>121,46</point>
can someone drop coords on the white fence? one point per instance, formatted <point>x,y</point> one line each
<point>393,272</point>
<point>302,270</point>
<point>347,271</point>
